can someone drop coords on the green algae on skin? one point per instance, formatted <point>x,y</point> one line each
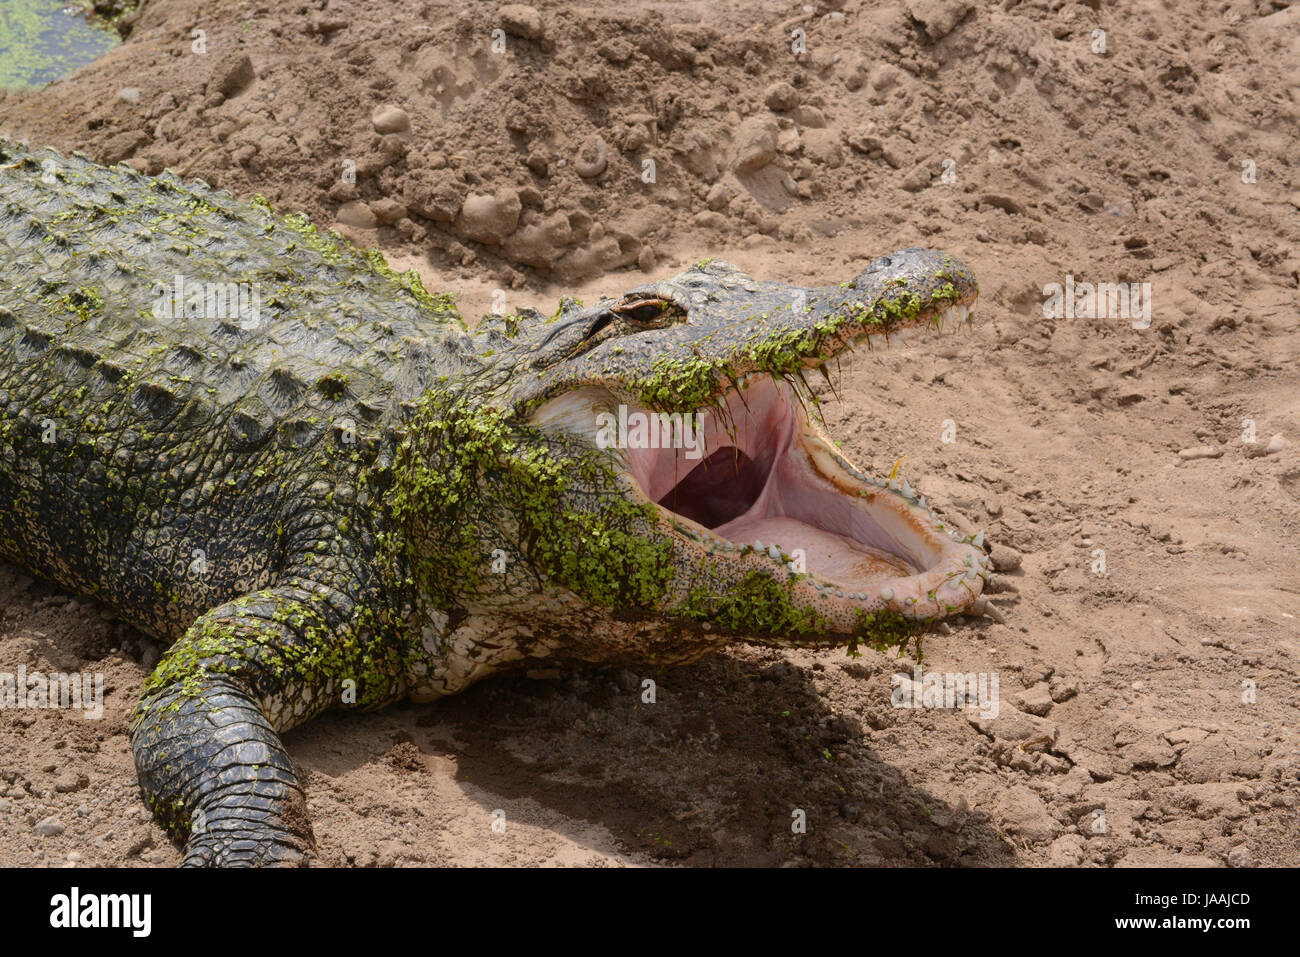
<point>469,469</point>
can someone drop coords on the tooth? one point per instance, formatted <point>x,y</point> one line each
<point>978,540</point>
<point>839,593</point>
<point>758,545</point>
<point>921,502</point>
<point>774,553</point>
<point>907,489</point>
<point>887,594</point>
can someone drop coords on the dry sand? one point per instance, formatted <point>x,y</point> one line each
<point>1148,713</point>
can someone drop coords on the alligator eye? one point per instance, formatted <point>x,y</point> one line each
<point>642,311</point>
<point>648,311</point>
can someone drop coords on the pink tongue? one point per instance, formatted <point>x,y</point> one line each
<point>827,555</point>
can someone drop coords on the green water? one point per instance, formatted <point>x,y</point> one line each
<point>40,43</point>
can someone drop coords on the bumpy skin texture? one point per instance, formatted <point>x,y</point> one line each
<point>342,504</point>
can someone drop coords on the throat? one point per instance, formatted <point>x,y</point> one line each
<point>759,487</point>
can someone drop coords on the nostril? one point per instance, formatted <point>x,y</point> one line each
<point>882,263</point>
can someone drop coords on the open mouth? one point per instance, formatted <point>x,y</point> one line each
<point>754,483</point>
<point>757,480</point>
<point>749,483</point>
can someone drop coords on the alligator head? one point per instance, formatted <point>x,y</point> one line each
<point>651,473</point>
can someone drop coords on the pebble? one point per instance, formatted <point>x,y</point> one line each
<point>521,20</point>
<point>49,827</point>
<point>1004,558</point>
<point>1200,452</point>
<point>490,219</point>
<point>390,119</point>
<point>358,214</point>
<point>235,78</point>
<point>1240,856</point>
<point>781,97</point>
<point>70,781</point>
<point>1275,445</point>
<point>755,144</point>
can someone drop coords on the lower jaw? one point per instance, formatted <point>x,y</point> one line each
<point>881,584</point>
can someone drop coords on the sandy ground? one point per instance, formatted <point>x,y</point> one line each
<point>1148,710</point>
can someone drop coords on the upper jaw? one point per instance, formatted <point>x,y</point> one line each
<point>729,325</point>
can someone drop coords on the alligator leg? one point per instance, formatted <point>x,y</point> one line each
<point>206,731</point>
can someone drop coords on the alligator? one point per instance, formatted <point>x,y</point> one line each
<point>304,474</point>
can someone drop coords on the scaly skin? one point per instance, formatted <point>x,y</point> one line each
<point>353,499</point>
